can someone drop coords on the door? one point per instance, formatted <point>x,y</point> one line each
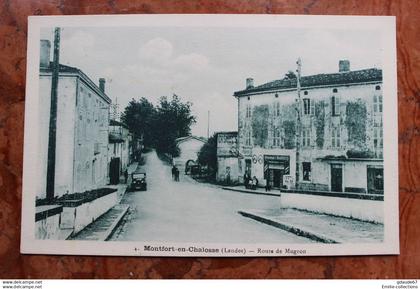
<point>276,178</point>
<point>336,177</point>
<point>114,171</point>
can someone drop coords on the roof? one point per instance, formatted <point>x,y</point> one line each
<point>69,69</point>
<point>185,138</point>
<point>339,78</point>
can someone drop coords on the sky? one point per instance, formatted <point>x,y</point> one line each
<point>207,65</point>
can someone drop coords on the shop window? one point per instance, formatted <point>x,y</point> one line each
<point>306,167</point>
<point>375,179</point>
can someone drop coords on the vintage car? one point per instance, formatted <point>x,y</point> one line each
<point>138,180</point>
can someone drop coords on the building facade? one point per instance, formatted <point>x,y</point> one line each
<point>81,129</point>
<point>189,148</point>
<point>228,163</point>
<point>337,144</point>
<point>119,150</point>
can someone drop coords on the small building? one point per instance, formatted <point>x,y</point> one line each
<point>340,131</point>
<point>189,147</point>
<point>228,159</point>
<point>119,151</point>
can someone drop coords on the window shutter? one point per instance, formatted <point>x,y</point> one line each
<point>312,102</point>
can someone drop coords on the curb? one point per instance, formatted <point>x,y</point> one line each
<point>108,233</point>
<point>250,192</point>
<point>290,229</point>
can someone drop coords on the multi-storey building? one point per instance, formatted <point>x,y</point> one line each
<point>338,139</point>
<point>81,129</point>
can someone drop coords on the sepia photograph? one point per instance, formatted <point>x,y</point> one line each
<point>211,135</point>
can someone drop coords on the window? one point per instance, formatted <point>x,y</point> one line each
<point>248,111</point>
<point>248,138</point>
<point>335,106</point>
<point>335,138</point>
<point>305,92</point>
<point>306,137</point>
<point>375,179</point>
<point>276,137</point>
<point>377,103</point>
<point>378,142</point>
<point>308,107</point>
<point>335,90</point>
<point>306,167</point>
<point>377,87</point>
<point>277,109</point>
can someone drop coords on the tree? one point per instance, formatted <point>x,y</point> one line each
<point>139,116</point>
<point>207,156</point>
<point>173,119</point>
<point>159,125</point>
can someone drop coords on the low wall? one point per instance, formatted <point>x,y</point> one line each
<point>79,216</point>
<point>47,222</point>
<point>362,209</point>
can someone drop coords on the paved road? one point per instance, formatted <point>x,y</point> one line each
<point>188,211</point>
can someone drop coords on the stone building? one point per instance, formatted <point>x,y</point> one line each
<point>80,194</point>
<point>340,131</point>
<point>82,129</point>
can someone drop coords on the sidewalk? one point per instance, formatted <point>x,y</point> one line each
<point>319,227</point>
<point>257,191</point>
<point>104,226</point>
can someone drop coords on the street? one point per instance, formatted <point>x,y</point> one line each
<point>188,211</point>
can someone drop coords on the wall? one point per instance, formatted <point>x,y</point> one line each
<point>91,140</point>
<point>48,228</point>
<point>188,151</point>
<point>223,163</point>
<point>79,217</point>
<point>366,210</point>
<point>65,134</point>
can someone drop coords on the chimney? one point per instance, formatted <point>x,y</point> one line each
<point>343,66</point>
<point>102,84</point>
<point>249,83</point>
<point>45,48</point>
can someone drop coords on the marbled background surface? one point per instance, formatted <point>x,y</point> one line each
<point>13,33</point>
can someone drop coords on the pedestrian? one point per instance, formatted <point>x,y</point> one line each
<point>126,175</point>
<point>246,180</point>
<point>267,186</point>
<point>173,172</point>
<point>176,175</point>
<point>254,183</point>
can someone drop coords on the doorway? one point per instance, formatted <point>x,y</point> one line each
<point>336,177</point>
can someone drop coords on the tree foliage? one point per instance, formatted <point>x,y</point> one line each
<point>207,156</point>
<point>160,125</point>
<point>138,116</point>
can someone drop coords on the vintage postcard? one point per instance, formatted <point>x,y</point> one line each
<point>211,135</point>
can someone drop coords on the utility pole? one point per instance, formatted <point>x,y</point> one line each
<point>52,135</point>
<point>208,124</point>
<point>298,123</point>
